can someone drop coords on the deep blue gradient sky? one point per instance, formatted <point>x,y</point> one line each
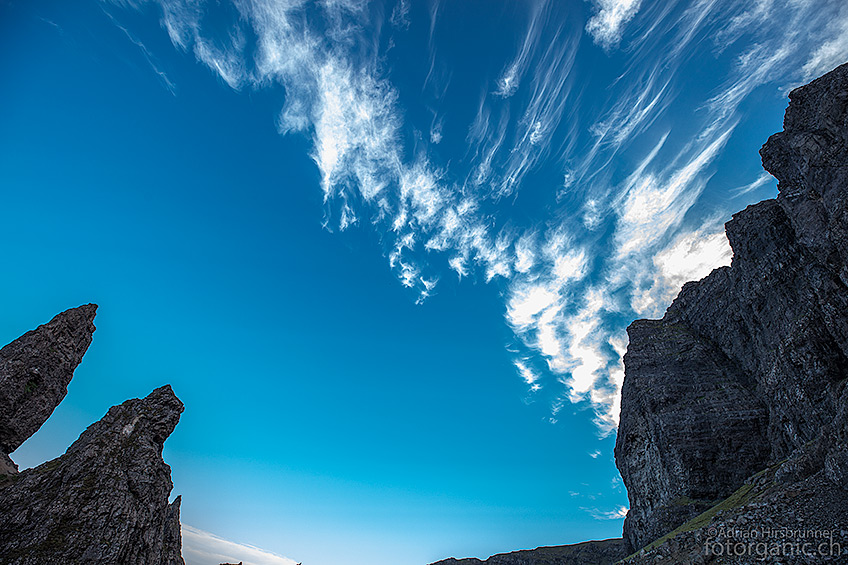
<point>385,253</point>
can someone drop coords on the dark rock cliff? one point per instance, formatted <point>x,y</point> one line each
<point>35,370</point>
<point>601,552</point>
<point>106,499</point>
<point>733,438</point>
<point>747,369</point>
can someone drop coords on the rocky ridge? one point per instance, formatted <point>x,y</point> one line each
<point>600,552</point>
<point>747,369</point>
<point>106,499</point>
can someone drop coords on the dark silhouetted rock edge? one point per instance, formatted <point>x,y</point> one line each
<point>734,415</point>
<point>601,552</point>
<point>734,407</point>
<point>106,499</point>
<point>35,370</point>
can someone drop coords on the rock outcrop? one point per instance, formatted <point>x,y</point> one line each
<point>106,499</point>
<point>601,552</point>
<point>747,369</point>
<point>733,437</point>
<point>35,370</point>
<point>767,520</point>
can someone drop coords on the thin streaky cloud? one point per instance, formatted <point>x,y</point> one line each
<point>761,181</point>
<point>833,49</point>
<point>148,56</point>
<point>617,514</point>
<point>510,78</point>
<point>204,548</point>
<point>633,177</point>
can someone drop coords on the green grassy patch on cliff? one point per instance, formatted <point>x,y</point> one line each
<point>742,496</point>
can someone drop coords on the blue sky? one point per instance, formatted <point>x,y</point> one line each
<point>384,252</point>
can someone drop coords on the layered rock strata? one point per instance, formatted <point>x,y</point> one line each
<point>748,366</point>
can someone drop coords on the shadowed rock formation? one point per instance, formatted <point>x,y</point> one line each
<point>733,438</point>
<point>35,370</point>
<point>747,369</point>
<point>601,552</point>
<point>106,499</point>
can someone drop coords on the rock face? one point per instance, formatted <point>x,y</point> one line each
<point>35,370</point>
<point>587,553</point>
<point>765,520</point>
<point>733,437</point>
<point>748,366</point>
<point>692,431</point>
<point>106,499</point>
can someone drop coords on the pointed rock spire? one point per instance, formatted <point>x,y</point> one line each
<point>35,370</point>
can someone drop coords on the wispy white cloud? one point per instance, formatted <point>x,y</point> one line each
<point>227,62</point>
<point>511,76</point>
<point>607,25</point>
<point>622,231</point>
<point>833,50</point>
<point>689,257</point>
<point>618,514</point>
<point>751,15</point>
<point>655,251</point>
<point>148,56</point>
<point>353,117</point>
<point>530,377</point>
<point>541,291</point>
<point>761,181</point>
<point>509,138</point>
<point>652,205</point>
<point>400,15</point>
<point>754,68</point>
<point>651,256</point>
<point>633,113</point>
<point>204,548</point>
<point>527,304</point>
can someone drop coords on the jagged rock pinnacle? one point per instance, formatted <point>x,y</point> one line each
<point>35,370</point>
<point>106,499</point>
